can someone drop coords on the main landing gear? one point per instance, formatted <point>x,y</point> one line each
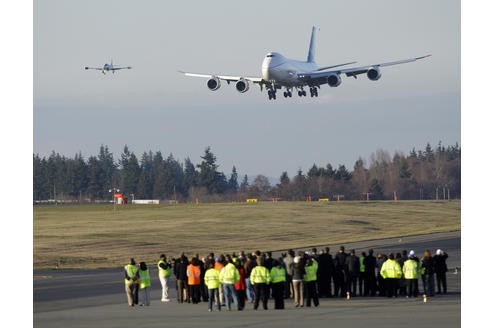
<point>272,94</point>
<point>313,91</point>
<point>288,93</point>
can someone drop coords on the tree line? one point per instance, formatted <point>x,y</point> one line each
<point>432,173</point>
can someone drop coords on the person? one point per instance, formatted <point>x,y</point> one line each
<point>287,261</point>
<point>194,280</point>
<point>131,275</point>
<point>352,269</point>
<point>370,274</point>
<point>164,272</point>
<point>249,266</point>
<point>229,275</point>
<point>310,278</point>
<point>202,286</point>
<point>440,270</point>
<point>240,286</point>
<point>212,282</point>
<point>410,270</point>
<point>297,281</point>
<point>401,258</point>
<point>391,273</point>
<point>277,280</point>
<point>340,277</point>
<point>325,272</point>
<point>144,284</point>
<point>219,264</point>
<point>260,278</point>
<point>362,275</point>
<point>428,274</point>
<point>181,276</point>
<point>380,259</point>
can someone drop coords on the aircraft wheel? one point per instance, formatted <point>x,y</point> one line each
<point>304,93</point>
<point>290,94</point>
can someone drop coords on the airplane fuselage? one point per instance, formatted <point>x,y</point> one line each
<point>284,71</point>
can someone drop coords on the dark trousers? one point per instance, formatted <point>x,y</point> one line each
<point>261,291</point>
<point>204,292</point>
<point>391,286</point>
<point>212,295</point>
<point>311,293</point>
<point>278,294</point>
<point>412,287</point>
<point>430,284</point>
<point>361,283</point>
<point>241,298</point>
<point>382,288</point>
<point>324,287</point>
<point>136,295</point>
<point>195,293</point>
<point>369,285</point>
<point>289,287</point>
<point>339,284</point>
<point>351,284</point>
<point>442,282</point>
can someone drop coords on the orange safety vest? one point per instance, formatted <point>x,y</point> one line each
<point>218,266</point>
<point>193,274</point>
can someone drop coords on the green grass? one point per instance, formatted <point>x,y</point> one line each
<point>99,237</point>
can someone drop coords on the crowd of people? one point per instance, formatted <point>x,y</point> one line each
<point>238,279</point>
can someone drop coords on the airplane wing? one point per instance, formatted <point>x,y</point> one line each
<point>228,78</point>
<point>117,68</point>
<point>320,77</point>
<point>98,68</point>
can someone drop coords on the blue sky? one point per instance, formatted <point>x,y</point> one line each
<point>153,107</point>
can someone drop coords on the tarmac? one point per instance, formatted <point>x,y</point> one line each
<point>96,298</point>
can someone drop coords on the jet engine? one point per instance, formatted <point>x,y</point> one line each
<point>213,83</point>
<point>242,85</point>
<point>334,80</point>
<point>374,74</point>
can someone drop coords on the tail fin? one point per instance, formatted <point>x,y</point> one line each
<point>311,53</point>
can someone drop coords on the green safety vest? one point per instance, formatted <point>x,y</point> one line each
<point>391,269</point>
<point>229,274</point>
<point>423,269</point>
<point>410,269</point>
<point>310,274</point>
<point>277,274</point>
<point>260,275</point>
<point>212,278</point>
<point>361,264</point>
<point>144,278</point>
<point>161,272</point>
<point>131,272</point>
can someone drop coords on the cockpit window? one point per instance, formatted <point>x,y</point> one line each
<point>269,55</point>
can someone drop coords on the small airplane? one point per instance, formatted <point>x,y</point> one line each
<point>109,67</point>
<point>279,72</point>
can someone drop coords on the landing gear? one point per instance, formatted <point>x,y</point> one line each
<point>272,94</point>
<point>287,93</point>
<point>301,93</point>
<point>313,91</point>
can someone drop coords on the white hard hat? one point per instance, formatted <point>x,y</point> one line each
<point>439,251</point>
<point>297,259</point>
<point>411,253</point>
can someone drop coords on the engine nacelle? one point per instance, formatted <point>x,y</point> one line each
<point>242,85</point>
<point>374,74</point>
<point>334,80</point>
<point>213,83</point>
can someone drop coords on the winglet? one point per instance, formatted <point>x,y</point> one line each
<point>311,52</point>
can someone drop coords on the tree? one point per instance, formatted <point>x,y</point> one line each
<point>208,176</point>
<point>244,184</point>
<point>233,184</point>
<point>260,186</point>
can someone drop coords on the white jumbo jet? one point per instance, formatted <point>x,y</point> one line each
<point>280,72</point>
<point>109,67</point>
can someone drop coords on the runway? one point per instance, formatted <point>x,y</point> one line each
<point>83,298</point>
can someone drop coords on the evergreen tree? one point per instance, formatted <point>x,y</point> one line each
<point>244,184</point>
<point>233,184</point>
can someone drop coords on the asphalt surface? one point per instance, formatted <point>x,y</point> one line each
<point>96,298</point>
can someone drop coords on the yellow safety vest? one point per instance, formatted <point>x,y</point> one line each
<point>212,278</point>
<point>260,275</point>
<point>310,274</point>
<point>131,272</point>
<point>162,272</point>
<point>144,278</point>
<point>277,274</point>
<point>410,269</point>
<point>391,269</point>
<point>361,264</point>
<point>229,274</point>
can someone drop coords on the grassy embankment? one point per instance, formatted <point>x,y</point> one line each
<point>99,237</point>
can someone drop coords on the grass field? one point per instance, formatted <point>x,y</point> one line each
<point>99,237</point>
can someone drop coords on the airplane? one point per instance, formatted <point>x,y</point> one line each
<point>279,72</point>
<point>108,67</point>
